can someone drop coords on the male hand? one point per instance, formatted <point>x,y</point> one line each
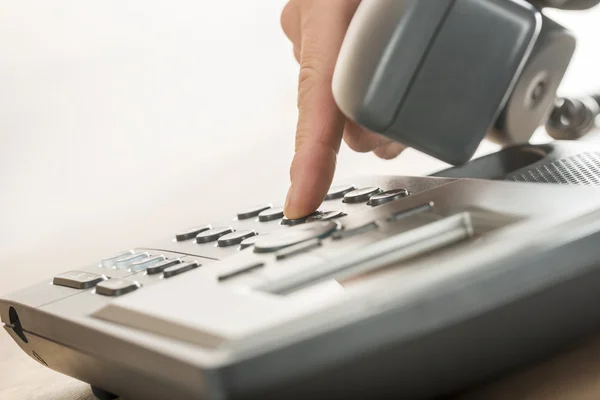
<point>316,29</point>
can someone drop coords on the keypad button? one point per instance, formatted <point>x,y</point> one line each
<point>253,212</point>
<point>233,272</point>
<point>361,195</point>
<point>297,249</point>
<point>78,279</point>
<point>359,230</point>
<point>160,267</point>
<point>280,240</point>
<point>235,238</point>
<point>386,197</point>
<point>298,221</point>
<point>271,214</point>
<point>144,264</point>
<point>191,233</point>
<point>213,234</point>
<point>250,241</point>
<point>337,192</point>
<point>179,269</point>
<point>128,260</point>
<point>116,287</point>
<point>110,262</point>
<point>326,216</point>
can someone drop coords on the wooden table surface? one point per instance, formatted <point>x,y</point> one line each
<point>122,120</point>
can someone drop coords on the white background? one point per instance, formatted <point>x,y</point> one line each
<point>122,121</point>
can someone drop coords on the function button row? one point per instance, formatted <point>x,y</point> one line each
<point>116,287</point>
<point>78,279</point>
<point>235,238</point>
<point>213,234</point>
<point>177,269</point>
<point>253,212</point>
<point>127,261</point>
<point>387,197</point>
<point>337,192</point>
<point>190,234</point>
<point>361,195</point>
<point>110,262</point>
<point>271,214</point>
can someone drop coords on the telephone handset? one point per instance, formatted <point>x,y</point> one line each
<point>440,76</point>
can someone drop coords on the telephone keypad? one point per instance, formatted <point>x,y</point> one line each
<point>361,195</point>
<point>252,212</point>
<point>271,214</point>
<point>235,238</point>
<point>212,235</point>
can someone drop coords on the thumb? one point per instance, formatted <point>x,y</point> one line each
<point>320,123</point>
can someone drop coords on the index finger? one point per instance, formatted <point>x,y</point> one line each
<point>320,123</point>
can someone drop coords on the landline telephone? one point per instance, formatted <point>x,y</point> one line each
<point>402,287</point>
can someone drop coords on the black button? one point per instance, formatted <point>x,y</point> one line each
<point>337,192</point>
<point>355,231</point>
<point>116,287</point>
<point>386,197</point>
<point>212,234</point>
<point>270,215</point>
<point>158,268</point>
<point>241,270</point>
<point>144,264</point>
<point>190,234</point>
<point>250,241</point>
<point>299,221</point>
<point>179,269</point>
<point>278,241</point>
<point>326,216</point>
<point>110,262</point>
<point>78,279</point>
<point>253,212</point>
<point>361,195</point>
<point>235,238</point>
<point>297,249</point>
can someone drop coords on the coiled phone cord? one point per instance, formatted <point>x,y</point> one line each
<point>573,118</point>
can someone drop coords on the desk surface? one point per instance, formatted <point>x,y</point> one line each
<point>121,120</point>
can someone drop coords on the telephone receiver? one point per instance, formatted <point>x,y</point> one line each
<point>441,76</point>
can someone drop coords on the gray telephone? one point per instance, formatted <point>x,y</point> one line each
<point>399,287</point>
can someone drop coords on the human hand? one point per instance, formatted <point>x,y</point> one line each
<point>316,29</point>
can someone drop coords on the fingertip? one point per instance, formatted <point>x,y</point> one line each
<point>311,175</point>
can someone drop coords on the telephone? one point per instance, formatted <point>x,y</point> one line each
<point>413,287</point>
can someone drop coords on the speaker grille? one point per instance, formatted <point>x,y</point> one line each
<point>581,169</point>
